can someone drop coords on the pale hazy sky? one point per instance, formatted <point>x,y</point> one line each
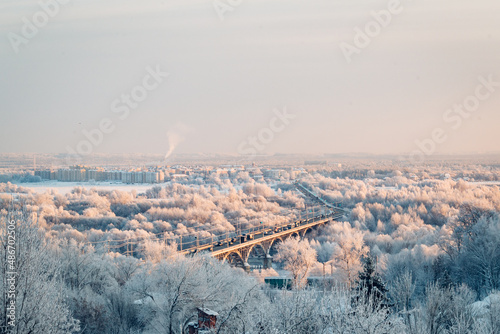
<point>226,77</point>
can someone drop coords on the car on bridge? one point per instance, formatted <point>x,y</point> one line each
<point>246,237</point>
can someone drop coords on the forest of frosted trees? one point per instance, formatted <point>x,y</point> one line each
<point>419,252</point>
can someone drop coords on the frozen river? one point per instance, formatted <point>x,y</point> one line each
<point>66,187</point>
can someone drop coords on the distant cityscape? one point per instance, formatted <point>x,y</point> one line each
<point>162,174</point>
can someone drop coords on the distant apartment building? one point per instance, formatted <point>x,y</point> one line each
<point>86,174</point>
<point>315,162</point>
<point>274,174</point>
<point>179,177</point>
<point>46,174</point>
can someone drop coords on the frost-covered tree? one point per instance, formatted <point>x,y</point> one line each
<point>156,251</point>
<point>479,261</point>
<point>296,312</point>
<point>297,257</point>
<point>351,249</point>
<point>39,289</point>
<point>402,291</point>
<point>340,315</point>
<point>170,291</point>
<point>370,284</point>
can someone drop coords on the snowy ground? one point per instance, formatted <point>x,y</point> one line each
<point>66,187</point>
<point>486,183</point>
<point>386,188</point>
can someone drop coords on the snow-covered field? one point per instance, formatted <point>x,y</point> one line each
<point>66,187</point>
<point>486,183</point>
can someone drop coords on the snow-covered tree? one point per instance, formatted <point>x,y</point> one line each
<point>39,290</point>
<point>370,284</point>
<point>297,257</point>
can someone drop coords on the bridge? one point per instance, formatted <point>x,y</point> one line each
<point>260,244</point>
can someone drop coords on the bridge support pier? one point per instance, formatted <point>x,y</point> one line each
<point>268,261</point>
<point>246,267</point>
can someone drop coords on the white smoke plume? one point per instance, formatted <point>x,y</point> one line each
<point>175,136</point>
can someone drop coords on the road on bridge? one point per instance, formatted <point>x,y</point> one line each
<point>263,234</point>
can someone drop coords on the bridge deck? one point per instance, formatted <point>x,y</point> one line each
<point>261,235</point>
